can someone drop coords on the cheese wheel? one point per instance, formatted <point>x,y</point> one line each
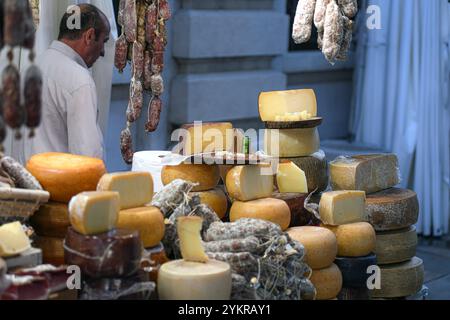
<point>245,183</point>
<point>355,239</point>
<point>13,240</point>
<point>327,281</point>
<point>354,270</point>
<point>320,245</point>
<point>269,209</point>
<point>135,188</point>
<point>274,104</point>
<point>401,279</point>
<point>52,249</point>
<point>354,294</point>
<point>342,207</point>
<point>315,167</point>
<point>207,176</point>
<point>116,253</point>
<point>287,143</point>
<point>392,209</point>
<point>185,280</point>
<point>207,137</point>
<point>66,175</point>
<point>295,201</point>
<point>51,220</point>
<point>215,199</point>
<point>224,169</point>
<point>396,246</point>
<point>149,221</point>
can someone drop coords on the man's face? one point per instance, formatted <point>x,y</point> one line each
<point>95,46</point>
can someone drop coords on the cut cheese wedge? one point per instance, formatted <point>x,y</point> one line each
<point>135,188</point>
<point>327,281</point>
<point>207,137</point>
<point>245,183</point>
<point>94,212</point>
<point>342,207</point>
<point>287,143</point>
<point>191,247</point>
<point>215,199</point>
<point>206,176</point>
<point>287,105</point>
<point>354,239</point>
<point>291,178</point>
<point>13,240</point>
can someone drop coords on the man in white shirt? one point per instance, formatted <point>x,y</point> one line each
<point>69,96</point>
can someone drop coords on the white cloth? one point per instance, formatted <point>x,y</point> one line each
<point>69,109</point>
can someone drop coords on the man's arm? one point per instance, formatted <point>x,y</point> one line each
<point>84,136</point>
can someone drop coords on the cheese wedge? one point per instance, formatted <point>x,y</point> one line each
<point>287,143</point>
<point>245,183</point>
<point>135,188</point>
<point>13,240</point>
<point>94,212</point>
<point>342,207</point>
<point>291,178</point>
<point>289,105</point>
<point>207,137</point>
<point>191,247</point>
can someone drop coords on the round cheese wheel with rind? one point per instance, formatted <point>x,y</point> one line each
<point>291,143</point>
<point>354,294</point>
<point>149,221</point>
<point>327,281</point>
<point>320,245</point>
<point>400,279</point>
<point>354,270</point>
<point>299,215</point>
<point>206,176</point>
<point>216,199</point>
<point>66,175</point>
<point>51,220</point>
<point>52,249</point>
<point>354,239</point>
<point>392,209</point>
<point>396,246</point>
<point>269,209</point>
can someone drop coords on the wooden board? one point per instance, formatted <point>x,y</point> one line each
<point>303,124</point>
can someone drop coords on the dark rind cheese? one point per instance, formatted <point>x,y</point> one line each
<point>295,201</point>
<point>113,254</point>
<point>52,250</point>
<point>354,294</point>
<point>396,246</point>
<point>51,220</point>
<point>354,270</point>
<point>392,209</point>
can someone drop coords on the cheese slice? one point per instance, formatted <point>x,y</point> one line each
<point>66,175</point>
<point>135,188</point>
<point>354,239</point>
<point>207,137</point>
<point>215,199</point>
<point>13,240</point>
<point>188,229</point>
<point>327,281</point>
<point>51,220</point>
<point>269,209</point>
<point>206,176</point>
<point>94,212</point>
<point>245,183</point>
<point>149,221</point>
<point>291,178</point>
<point>287,105</point>
<point>286,143</point>
<point>369,173</point>
<point>342,207</point>
<point>396,246</point>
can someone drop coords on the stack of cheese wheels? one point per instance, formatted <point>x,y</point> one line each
<point>94,243</point>
<point>206,177</point>
<point>292,133</point>
<point>343,213</point>
<point>392,212</point>
<point>251,188</point>
<point>63,176</point>
<point>321,248</point>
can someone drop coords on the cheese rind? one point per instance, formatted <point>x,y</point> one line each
<point>342,207</point>
<point>354,270</point>
<point>66,175</point>
<point>291,178</point>
<point>396,246</point>
<point>369,173</point>
<point>94,212</point>
<point>277,105</point>
<point>52,249</point>
<point>13,240</point>
<point>207,137</point>
<point>296,203</point>
<point>354,239</point>
<point>245,183</point>
<point>216,199</point>
<point>269,209</point>
<point>188,229</point>
<point>135,188</point>
<point>51,220</point>
<point>149,221</point>
<point>320,245</point>
<point>392,209</point>
<point>287,143</point>
<point>327,281</point>
<point>207,176</point>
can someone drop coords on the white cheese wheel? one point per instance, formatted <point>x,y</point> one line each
<point>355,239</point>
<point>327,281</point>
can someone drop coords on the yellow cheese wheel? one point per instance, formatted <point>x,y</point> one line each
<point>320,245</point>
<point>149,221</point>
<point>66,175</point>
<point>51,220</point>
<point>207,176</point>
<point>245,183</point>
<point>355,239</point>
<point>216,199</point>
<point>52,249</point>
<point>327,281</point>
<point>273,210</point>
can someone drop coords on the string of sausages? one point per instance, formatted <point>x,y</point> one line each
<point>18,30</point>
<point>333,20</point>
<point>142,43</point>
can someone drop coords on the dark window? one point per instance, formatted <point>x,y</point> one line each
<point>116,11</point>
<point>312,43</point>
